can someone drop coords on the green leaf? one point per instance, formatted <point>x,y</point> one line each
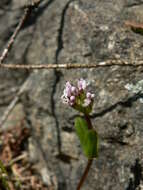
<point>91,144</point>
<point>5,184</point>
<point>88,138</point>
<point>81,128</point>
<point>2,167</point>
<point>3,177</point>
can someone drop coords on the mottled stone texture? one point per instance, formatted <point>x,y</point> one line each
<point>84,31</point>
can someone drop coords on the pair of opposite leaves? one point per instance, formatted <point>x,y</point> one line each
<point>88,138</point>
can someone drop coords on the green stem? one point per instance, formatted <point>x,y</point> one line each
<point>89,163</point>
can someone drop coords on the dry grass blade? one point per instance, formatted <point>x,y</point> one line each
<point>18,158</point>
<point>13,103</point>
<point>106,63</point>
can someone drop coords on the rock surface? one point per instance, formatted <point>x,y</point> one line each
<point>77,32</point>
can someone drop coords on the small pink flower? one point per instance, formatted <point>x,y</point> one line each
<point>77,96</point>
<point>67,90</point>
<point>86,102</point>
<point>68,84</point>
<point>69,93</point>
<point>89,95</point>
<point>74,90</point>
<point>72,98</point>
<point>82,84</point>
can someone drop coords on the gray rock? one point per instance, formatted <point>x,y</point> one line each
<point>79,32</point>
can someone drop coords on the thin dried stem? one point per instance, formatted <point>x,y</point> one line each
<point>13,103</point>
<point>84,174</point>
<point>16,159</point>
<point>27,12</point>
<point>107,63</point>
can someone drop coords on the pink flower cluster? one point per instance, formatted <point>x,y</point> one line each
<point>77,95</point>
